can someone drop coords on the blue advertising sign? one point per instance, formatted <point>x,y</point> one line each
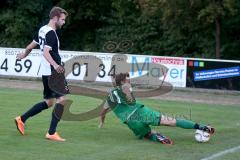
<point>216,73</point>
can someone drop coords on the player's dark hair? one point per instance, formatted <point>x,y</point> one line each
<point>57,11</point>
<point>120,77</point>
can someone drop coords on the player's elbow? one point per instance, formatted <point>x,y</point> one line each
<point>103,113</point>
<point>31,46</point>
<point>28,49</point>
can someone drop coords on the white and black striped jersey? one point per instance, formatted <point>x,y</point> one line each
<point>47,37</point>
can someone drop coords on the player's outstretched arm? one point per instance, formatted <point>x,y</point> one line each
<point>102,116</point>
<point>27,50</point>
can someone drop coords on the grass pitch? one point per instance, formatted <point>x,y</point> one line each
<point>114,141</point>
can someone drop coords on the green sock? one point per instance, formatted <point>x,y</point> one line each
<point>201,127</point>
<point>187,124</point>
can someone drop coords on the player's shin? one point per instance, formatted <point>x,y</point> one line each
<point>186,124</point>
<point>56,116</point>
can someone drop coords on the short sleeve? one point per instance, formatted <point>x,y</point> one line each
<point>35,39</point>
<point>50,39</point>
<point>116,97</point>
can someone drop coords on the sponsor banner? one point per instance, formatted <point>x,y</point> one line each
<point>216,73</point>
<point>84,64</point>
<point>177,69</point>
<point>9,65</point>
<point>31,65</point>
<point>213,74</point>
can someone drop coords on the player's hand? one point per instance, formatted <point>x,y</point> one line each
<point>100,125</point>
<point>59,69</point>
<point>21,55</point>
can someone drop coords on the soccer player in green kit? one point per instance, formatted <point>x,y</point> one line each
<point>139,117</point>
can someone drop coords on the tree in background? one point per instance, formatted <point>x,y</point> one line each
<point>195,25</point>
<point>20,19</point>
<point>215,11</point>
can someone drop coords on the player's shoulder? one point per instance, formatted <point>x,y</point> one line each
<point>45,29</point>
<point>116,89</point>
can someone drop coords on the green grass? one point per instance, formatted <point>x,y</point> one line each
<point>115,141</point>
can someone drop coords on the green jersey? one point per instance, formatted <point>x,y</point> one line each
<point>135,115</point>
<point>121,105</point>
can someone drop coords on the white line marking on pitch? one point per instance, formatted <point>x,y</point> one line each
<point>219,154</point>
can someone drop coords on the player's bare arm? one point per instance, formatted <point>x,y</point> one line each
<point>102,117</point>
<point>28,50</point>
<point>49,58</point>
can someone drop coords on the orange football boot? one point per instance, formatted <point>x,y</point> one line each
<point>19,124</point>
<point>54,137</point>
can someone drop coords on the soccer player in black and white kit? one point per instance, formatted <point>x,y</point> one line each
<point>48,41</point>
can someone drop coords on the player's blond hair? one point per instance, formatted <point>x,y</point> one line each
<point>57,11</point>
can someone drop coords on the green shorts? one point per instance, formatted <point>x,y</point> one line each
<point>141,120</point>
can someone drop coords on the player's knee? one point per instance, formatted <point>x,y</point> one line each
<point>168,121</point>
<point>49,103</point>
<point>61,100</point>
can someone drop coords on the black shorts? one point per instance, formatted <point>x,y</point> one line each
<point>47,92</point>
